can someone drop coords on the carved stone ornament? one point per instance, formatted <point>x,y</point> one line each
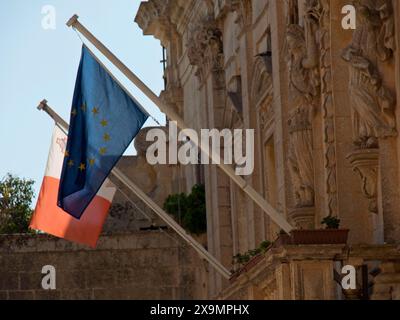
<point>262,80</point>
<point>243,10</point>
<point>141,144</point>
<point>205,47</point>
<point>303,89</point>
<point>302,218</point>
<point>153,18</point>
<point>266,113</point>
<point>366,163</point>
<point>300,158</point>
<point>372,104</point>
<point>323,11</point>
<point>173,96</point>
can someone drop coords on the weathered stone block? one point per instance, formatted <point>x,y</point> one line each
<point>77,294</point>
<point>100,279</point>
<point>9,281</point>
<point>3,295</point>
<point>47,295</point>
<point>30,280</point>
<point>21,295</point>
<point>71,280</point>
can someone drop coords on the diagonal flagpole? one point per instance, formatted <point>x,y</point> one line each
<point>277,217</point>
<point>120,176</point>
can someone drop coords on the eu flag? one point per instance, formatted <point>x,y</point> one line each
<point>104,121</point>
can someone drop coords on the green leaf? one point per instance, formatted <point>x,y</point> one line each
<point>16,196</point>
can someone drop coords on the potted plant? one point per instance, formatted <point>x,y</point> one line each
<point>244,262</point>
<point>332,234</point>
<point>331,222</point>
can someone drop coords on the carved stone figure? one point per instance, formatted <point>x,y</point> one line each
<point>304,83</point>
<point>371,102</point>
<point>300,158</point>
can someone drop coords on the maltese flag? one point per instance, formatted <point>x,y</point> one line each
<point>51,219</point>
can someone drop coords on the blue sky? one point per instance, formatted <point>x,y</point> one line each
<point>36,63</point>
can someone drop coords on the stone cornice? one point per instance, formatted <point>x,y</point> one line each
<point>152,18</point>
<point>264,270</point>
<point>241,7</point>
<point>161,18</point>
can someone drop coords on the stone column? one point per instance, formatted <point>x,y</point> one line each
<point>280,101</point>
<point>246,53</point>
<point>205,52</point>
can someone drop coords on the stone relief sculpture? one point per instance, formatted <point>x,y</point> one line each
<point>371,102</point>
<point>205,47</point>
<point>293,11</point>
<point>300,158</point>
<point>323,12</point>
<point>304,84</point>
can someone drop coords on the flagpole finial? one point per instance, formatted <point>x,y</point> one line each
<point>72,20</point>
<point>42,104</point>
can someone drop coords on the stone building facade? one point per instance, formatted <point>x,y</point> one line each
<point>323,103</point>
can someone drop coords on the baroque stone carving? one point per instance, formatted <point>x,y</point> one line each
<point>261,89</point>
<point>266,113</point>
<point>261,80</point>
<point>292,11</point>
<point>366,163</point>
<point>304,84</point>
<point>371,102</point>
<point>153,18</point>
<point>323,12</point>
<point>300,158</point>
<point>173,96</point>
<point>243,10</point>
<point>205,47</point>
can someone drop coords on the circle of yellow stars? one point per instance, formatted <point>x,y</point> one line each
<point>106,138</point>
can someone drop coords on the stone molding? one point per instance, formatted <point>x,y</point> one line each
<point>365,162</point>
<point>263,274</point>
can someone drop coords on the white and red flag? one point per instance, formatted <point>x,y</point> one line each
<point>51,219</point>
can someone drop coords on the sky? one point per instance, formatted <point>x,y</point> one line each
<point>38,63</point>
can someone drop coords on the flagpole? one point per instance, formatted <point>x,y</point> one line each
<point>119,175</point>
<point>277,217</point>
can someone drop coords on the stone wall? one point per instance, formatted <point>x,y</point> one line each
<point>139,265</point>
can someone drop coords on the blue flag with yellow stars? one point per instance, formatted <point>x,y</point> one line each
<point>104,121</point>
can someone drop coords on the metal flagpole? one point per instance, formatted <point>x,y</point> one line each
<point>119,175</point>
<point>277,217</point>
